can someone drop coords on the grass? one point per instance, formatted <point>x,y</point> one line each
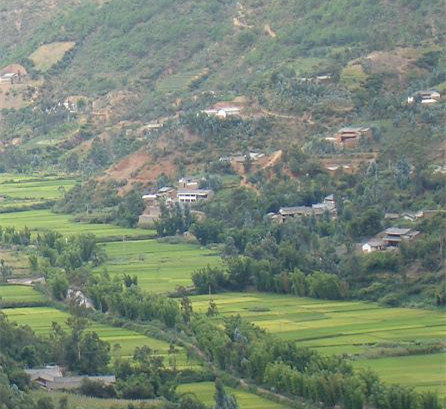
<point>43,220</point>
<point>424,372</point>
<point>19,293</point>
<point>49,54</point>
<point>205,392</point>
<point>84,402</point>
<point>160,267</point>
<point>40,320</point>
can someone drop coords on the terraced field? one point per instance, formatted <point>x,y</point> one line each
<point>19,294</point>
<point>41,220</point>
<point>205,392</point>
<point>29,187</point>
<point>41,318</point>
<point>334,327</point>
<point>425,372</point>
<point>84,402</point>
<point>160,267</point>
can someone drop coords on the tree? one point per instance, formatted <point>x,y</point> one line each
<point>325,286</point>
<point>5,270</point>
<point>130,209</point>
<point>186,309</point>
<point>223,400</point>
<point>94,353</point>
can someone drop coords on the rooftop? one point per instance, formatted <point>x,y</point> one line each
<point>396,231</point>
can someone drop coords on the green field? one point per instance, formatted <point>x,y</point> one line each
<point>41,220</point>
<point>205,392</point>
<point>41,318</point>
<point>28,187</point>
<point>337,327</point>
<point>331,326</point>
<point>84,402</point>
<point>160,267</point>
<point>19,293</point>
<point>425,372</point>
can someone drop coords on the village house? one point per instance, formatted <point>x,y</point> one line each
<point>318,79</point>
<point>240,158</point>
<point>190,183</point>
<point>373,245</point>
<point>151,215</point>
<point>349,137</point>
<point>413,216</point>
<point>223,112</point>
<point>9,78</point>
<point>194,195</point>
<point>424,97</point>
<point>393,236</point>
<point>317,209</point>
<point>52,378</point>
<point>167,192</point>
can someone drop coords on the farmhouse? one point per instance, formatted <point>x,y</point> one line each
<point>373,245</point>
<point>393,236</point>
<point>167,192</point>
<point>317,209</point>
<point>51,378</point>
<point>194,195</point>
<point>242,158</point>
<point>9,78</point>
<point>413,216</point>
<point>223,112</point>
<point>424,97</point>
<point>190,183</point>
<point>349,137</point>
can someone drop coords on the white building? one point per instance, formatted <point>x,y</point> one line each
<point>194,195</point>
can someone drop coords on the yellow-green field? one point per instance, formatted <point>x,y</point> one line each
<point>41,220</point>
<point>28,187</point>
<point>19,293</point>
<point>425,372</point>
<point>40,320</point>
<point>84,402</point>
<point>338,327</point>
<point>160,267</point>
<point>49,54</point>
<point>205,392</point>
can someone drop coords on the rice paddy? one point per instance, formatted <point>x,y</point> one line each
<point>350,327</point>
<point>44,220</point>
<point>19,294</point>
<point>160,267</point>
<point>29,187</point>
<point>40,319</point>
<point>205,392</point>
<point>424,372</point>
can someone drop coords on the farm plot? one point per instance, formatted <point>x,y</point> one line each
<point>205,392</point>
<point>84,402</point>
<point>19,294</point>
<point>331,326</point>
<point>42,220</point>
<point>17,261</point>
<point>335,327</point>
<point>425,372</point>
<point>34,188</point>
<point>160,267</point>
<point>40,320</point>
